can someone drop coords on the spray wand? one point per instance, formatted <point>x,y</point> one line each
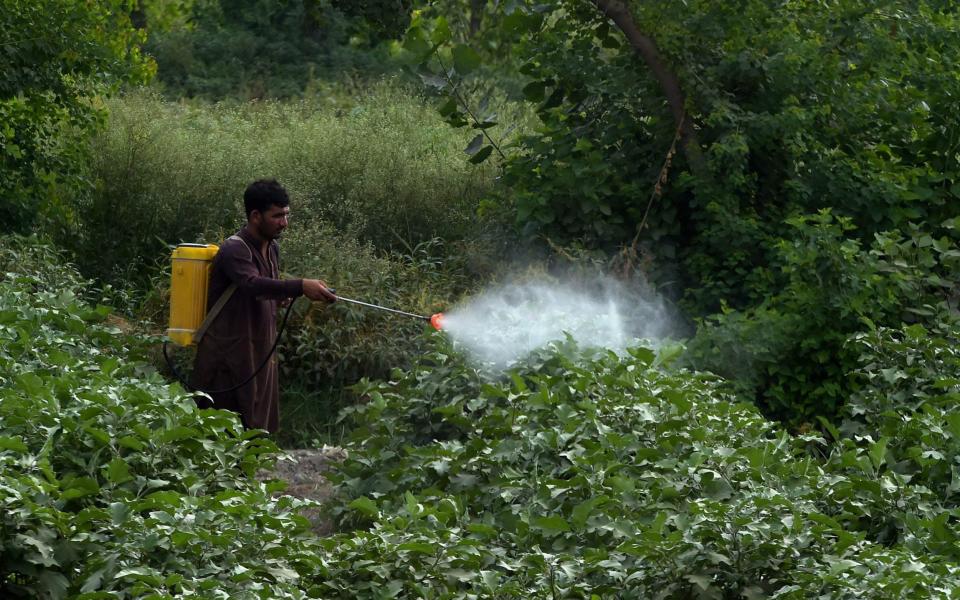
<point>436,320</point>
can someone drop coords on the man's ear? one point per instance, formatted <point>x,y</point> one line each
<point>255,215</point>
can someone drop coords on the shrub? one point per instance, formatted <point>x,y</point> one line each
<point>114,483</point>
<point>789,354</point>
<point>586,474</point>
<point>909,386</point>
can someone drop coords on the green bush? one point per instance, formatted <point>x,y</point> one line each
<point>789,354</point>
<point>586,474</point>
<point>383,208</point>
<point>577,473</point>
<point>112,483</point>
<point>778,110</point>
<point>327,348</point>
<point>909,387</point>
<point>59,58</point>
<point>249,49</point>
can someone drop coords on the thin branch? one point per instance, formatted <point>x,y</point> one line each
<point>454,89</point>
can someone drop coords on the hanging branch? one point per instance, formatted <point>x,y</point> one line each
<point>629,254</point>
<point>620,14</point>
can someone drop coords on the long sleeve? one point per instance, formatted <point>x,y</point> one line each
<point>236,262</point>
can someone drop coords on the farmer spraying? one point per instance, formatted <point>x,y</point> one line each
<point>245,281</point>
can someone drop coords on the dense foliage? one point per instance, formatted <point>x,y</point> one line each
<point>584,474</point>
<point>57,58</point>
<point>377,166</point>
<point>252,49</point>
<point>790,353</point>
<point>789,173</point>
<point>788,109</point>
<point>696,142</point>
<point>113,483</point>
<point>579,473</point>
<point>383,209</point>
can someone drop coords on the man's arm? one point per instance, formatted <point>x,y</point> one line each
<point>236,260</point>
<point>237,264</point>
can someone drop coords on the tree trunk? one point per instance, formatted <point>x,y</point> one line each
<point>476,16</point>
<point>138,16</point>
<point>620,14</point>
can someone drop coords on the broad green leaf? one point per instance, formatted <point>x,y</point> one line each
<point>365,505</point>
<point>474,144</point>
<point>12,443</point>
<point>441,31</point>
<point>878,451</point>
<point>465,59</point>
<point>534,91</point>
<point>118,471</point>
<point>550,524</point>
<point>481,155</point>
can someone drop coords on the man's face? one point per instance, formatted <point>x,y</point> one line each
<point>271,222</point>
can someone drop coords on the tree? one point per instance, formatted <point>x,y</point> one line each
<point>778,110</point>
<point>57,58</point>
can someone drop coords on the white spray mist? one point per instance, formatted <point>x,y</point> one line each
<point>504,324</point>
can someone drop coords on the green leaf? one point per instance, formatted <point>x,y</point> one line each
<point>441,31</point>
<point>80,487</point>
<point>475,144</point>
<point>481,155</point>
<point>465,59</point>
<point>534,91</point>
<point>12,443</point>
<point>366,506</point>
<point>417,547</point>
<point>448,108</point>
<point>118,471</point>
<point>434,81</point>
<point>119,512</point>
<point>416,43</point>
<point>582,511</point>
<point>702,581</point>
<point>550,524</point>
<point>878,452</point>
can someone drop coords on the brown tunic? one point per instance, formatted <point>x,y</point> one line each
<point>242,334</point>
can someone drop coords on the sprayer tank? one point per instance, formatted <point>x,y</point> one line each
<point>189,283</point>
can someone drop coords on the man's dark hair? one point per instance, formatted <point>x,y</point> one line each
<point>264,193</point>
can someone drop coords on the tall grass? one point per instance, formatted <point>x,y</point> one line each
<point>380,166</point>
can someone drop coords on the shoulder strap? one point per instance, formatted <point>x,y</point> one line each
<point>221,301</point>
<point>213,312</point>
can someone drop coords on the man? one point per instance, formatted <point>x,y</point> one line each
<point>242,334</point>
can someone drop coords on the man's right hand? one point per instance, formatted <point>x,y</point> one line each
<point>316,289</point>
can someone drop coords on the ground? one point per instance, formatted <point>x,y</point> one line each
<point>303,470</point>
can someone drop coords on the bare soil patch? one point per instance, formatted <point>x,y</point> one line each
<point>304,471</point>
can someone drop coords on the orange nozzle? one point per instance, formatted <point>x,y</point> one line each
<point>437,321</point>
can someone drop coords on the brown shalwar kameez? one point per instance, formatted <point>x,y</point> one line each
<point>242,334</point>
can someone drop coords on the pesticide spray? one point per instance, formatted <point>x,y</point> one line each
<point>502,325</point>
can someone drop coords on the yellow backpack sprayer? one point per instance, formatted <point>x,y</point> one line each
<point>190,269</point>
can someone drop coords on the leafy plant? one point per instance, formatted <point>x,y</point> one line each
<point>586,474</point>
<point>790,354</point>
<point>113,482</point>
<point>59,58</point>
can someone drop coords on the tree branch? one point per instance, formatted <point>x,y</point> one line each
<point>620,14</point>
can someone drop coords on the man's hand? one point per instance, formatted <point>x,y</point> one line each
<point>316,289</point>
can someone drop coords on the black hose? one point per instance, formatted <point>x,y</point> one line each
<point>183,382</point>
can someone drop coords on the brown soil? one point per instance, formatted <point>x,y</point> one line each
<point>303,470</point>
